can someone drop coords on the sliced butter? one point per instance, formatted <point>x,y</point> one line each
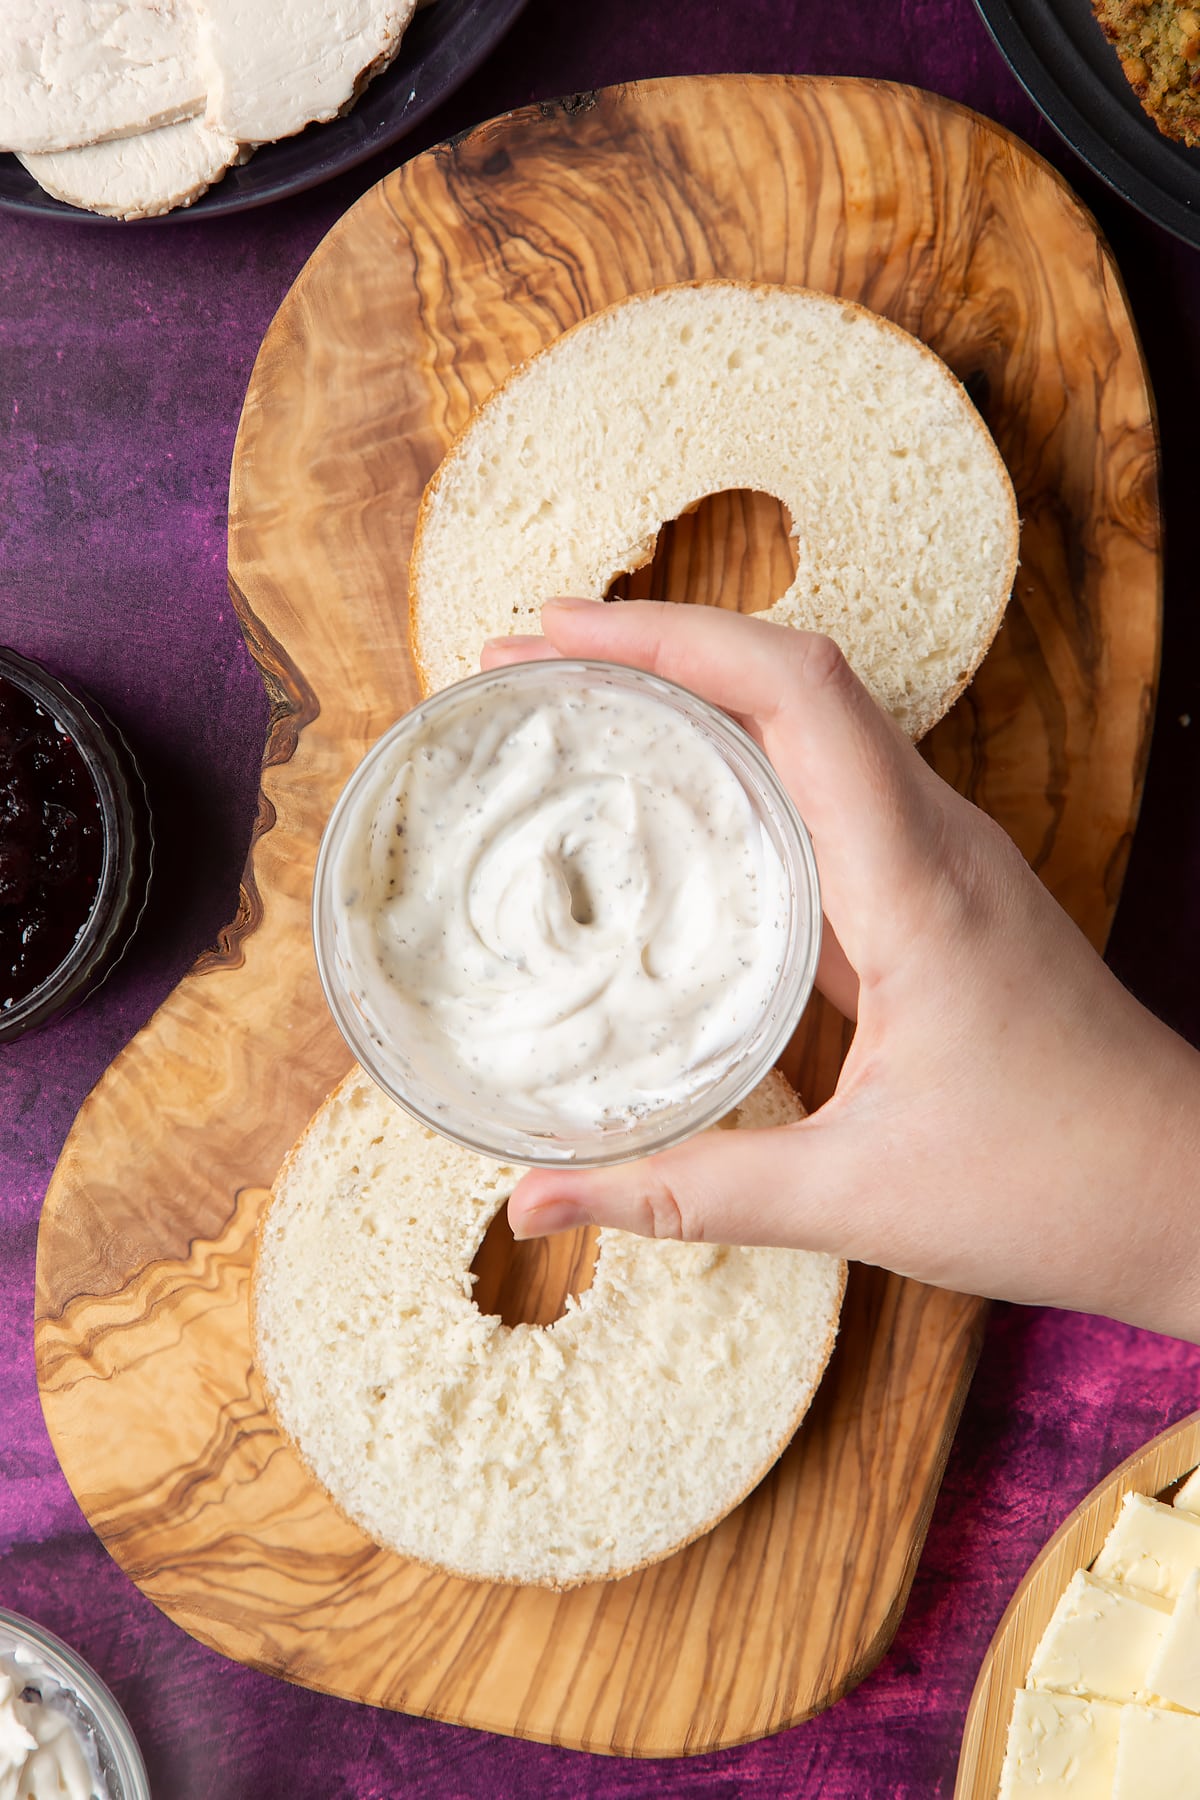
<point>1188,1497</point>
<point>1151,1546</point>
<point>1174,1672</point>
<point>1061,1747</point>
<point>1158,1755</point>
<point>1101,1641</point>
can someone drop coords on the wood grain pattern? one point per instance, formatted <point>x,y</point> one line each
<point>529,1283</point>
<point>419,301</point>
<point>1156,1470</point>
<point>732,549</point>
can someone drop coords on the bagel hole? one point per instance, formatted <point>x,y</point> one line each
<point>528,1283</point>
<point>734,549</point>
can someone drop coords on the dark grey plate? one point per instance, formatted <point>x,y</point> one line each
<point>1060,56</point>
<point>444,44</point>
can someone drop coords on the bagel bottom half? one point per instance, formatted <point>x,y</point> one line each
<point>550,1455</point>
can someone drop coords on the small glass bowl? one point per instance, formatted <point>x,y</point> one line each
<point>748,1061</point>
<point>108,921</point>
<point>55,1670</point>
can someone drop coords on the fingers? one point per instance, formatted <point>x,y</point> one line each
<point>831,745</point>
<point>499,651</point>
<point>836,977</point>
<point>792,1185</point>
<point>746,666</point>
<point>871,804</point>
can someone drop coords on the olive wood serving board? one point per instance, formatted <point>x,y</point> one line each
<point>418,302</point>
<point>1155,1470</point>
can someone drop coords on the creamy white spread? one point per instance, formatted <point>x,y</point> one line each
<point>44,1754</point>
<point>561,908</point>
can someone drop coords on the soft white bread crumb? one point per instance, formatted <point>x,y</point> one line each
<point>551,1455</point>
<point>903,512</point>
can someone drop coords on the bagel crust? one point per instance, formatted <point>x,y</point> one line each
<point>902,510</point>
<point>549,1455</point>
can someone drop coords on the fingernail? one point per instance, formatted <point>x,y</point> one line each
<point>518,641</point>
<point>544,1221</point>
<point>569,603</point>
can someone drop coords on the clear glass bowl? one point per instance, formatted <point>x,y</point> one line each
<point>64,1679</point>
<point>747,1061</point>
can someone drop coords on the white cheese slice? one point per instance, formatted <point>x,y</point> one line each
<point>77,71</point>
<point>1151,1546</point>
<point>273,70</point>
<point>1158,1756</point>
<point>1174,1672</point>
<point>1101,1640</point>
<point>1188,1497</point>
<point>1061,1747</point>
<point>138,177</point>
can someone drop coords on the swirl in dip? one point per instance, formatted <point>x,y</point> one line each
<point>556,900</point>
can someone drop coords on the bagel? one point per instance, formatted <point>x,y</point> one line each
<point>903,512</point>
<point>549,1455</point>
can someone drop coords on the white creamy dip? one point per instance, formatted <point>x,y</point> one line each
<point>559,907</point>
<point>43,1752</point>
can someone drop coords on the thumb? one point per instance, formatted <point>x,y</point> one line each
<point>789,1186</point>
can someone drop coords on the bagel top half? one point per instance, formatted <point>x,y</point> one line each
<point>903,513</point>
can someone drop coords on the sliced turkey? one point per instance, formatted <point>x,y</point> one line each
<point>78,71</point>
<point>273,69</point>
<point>138,177</point>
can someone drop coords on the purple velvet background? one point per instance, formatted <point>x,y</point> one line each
<point>124,355</point>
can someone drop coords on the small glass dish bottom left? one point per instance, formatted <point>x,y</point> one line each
<point>50,1678</point>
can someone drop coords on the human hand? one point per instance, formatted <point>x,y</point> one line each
<point>1009,1120</point>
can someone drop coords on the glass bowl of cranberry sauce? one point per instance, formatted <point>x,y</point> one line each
<point>75,845</point>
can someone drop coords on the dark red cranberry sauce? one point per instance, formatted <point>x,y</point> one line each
<point>51,844</point>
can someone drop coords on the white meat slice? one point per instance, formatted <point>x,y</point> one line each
<point>272,70</point>
<point>78,71</point>
<point>138,177</point>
